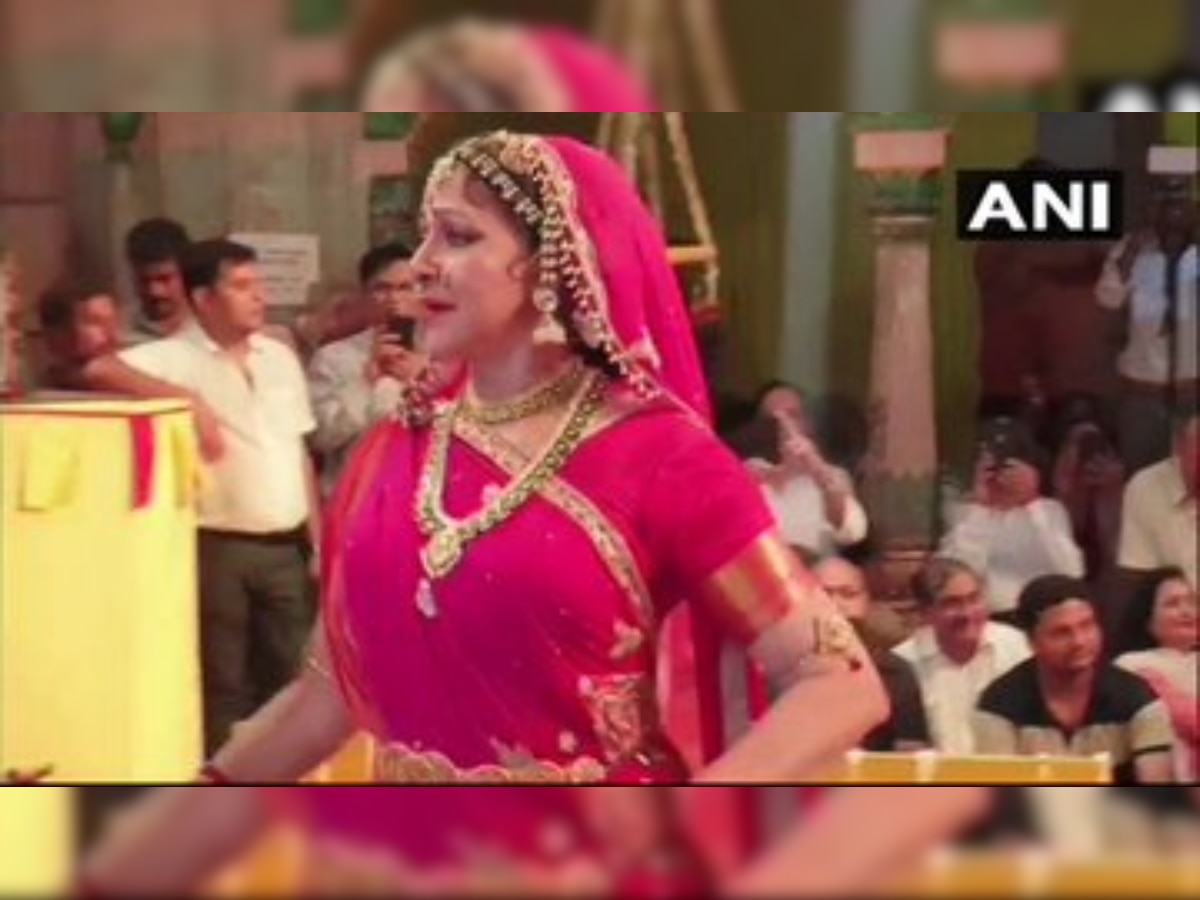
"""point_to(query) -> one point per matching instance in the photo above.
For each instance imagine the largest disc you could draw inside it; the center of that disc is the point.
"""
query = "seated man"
(79, 323)
(906, 729)
(957, 652)
(1159, 519)
(1066, 701)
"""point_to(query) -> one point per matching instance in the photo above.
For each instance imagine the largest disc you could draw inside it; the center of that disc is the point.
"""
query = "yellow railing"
(934, 768)
(1031, 875)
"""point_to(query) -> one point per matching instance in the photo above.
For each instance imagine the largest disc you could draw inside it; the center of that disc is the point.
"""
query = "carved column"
(901, 157)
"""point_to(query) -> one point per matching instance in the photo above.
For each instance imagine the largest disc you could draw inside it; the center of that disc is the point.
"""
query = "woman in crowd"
(1088, 478)
(1162, 644)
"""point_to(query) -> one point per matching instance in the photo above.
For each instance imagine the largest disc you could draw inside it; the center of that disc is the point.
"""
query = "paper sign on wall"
(290, 264)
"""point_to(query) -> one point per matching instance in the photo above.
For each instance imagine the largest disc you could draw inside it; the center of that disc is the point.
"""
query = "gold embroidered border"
(399, 764)
(606, 538)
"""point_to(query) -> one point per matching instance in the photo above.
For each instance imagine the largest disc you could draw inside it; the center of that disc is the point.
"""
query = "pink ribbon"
(144, 460)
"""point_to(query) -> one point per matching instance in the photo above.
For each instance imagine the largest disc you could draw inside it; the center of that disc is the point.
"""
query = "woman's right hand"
(1134, 245)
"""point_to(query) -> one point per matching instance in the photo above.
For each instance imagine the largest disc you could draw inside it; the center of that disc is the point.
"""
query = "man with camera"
(1006, 530)
(357, 381)
(1151, 278)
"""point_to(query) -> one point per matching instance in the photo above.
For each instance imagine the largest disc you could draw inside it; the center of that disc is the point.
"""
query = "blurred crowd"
(1058, 614)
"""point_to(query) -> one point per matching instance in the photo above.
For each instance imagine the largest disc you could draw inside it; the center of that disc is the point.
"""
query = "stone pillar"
(902, 463)
(901, 157)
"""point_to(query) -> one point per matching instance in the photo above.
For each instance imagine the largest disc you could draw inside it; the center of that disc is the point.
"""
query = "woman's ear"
(526, 269)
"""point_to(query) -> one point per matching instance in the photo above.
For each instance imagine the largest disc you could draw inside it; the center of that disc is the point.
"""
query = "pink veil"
(646, 313)
(594, 80)
(640, 299)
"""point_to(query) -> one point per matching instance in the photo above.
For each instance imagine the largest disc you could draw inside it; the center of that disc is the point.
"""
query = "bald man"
(906, 729)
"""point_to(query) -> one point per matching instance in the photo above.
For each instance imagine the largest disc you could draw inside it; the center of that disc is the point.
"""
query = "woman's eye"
(457, 237)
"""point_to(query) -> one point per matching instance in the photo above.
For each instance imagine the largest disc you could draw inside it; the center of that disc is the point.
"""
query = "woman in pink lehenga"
(503, 576)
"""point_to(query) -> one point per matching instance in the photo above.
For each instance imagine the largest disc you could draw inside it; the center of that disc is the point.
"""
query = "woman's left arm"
(830, 694)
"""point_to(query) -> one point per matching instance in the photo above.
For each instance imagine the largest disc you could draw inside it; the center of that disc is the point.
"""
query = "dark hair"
(1073, 410)
(1135, 629)
(59, 304)
(807, 555)
(153, 241)
(774, 384)
(1183, 417)
(204, 262)
(1015, 439)
(1045, 593)
(379, 258)
(929, 582)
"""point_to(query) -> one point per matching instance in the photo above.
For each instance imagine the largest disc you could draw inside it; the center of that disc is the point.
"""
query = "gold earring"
(549, 329)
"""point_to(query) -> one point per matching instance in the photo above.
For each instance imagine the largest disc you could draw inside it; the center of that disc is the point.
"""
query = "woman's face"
(1174, 623)
(475, 273)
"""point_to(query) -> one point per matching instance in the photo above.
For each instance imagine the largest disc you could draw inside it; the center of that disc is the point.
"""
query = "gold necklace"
(544, 397)
(448, 538)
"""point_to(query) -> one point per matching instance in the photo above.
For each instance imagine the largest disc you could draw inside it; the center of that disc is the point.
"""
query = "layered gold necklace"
(448, 537)
(543, 398)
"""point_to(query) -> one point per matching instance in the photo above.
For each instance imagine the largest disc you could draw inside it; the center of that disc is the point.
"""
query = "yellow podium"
(37, 834)
(99, 630)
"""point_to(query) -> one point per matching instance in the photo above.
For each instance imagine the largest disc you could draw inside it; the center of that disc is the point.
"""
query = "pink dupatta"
(639, 295)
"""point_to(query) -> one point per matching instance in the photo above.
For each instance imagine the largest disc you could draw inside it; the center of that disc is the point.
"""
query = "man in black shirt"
(906, 730)
(1066, 701)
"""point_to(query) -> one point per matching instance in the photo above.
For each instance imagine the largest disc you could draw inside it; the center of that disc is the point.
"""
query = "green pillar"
(1004, 73)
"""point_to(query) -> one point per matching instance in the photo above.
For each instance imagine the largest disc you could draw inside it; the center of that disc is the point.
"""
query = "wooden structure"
(670, 46)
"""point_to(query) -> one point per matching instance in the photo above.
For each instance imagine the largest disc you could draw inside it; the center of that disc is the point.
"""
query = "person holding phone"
(1150, 280)
(813, 500)
(1006, 529)
(357, 381)
(1089, 480)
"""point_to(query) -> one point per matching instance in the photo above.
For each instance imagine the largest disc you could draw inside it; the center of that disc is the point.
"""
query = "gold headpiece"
(568, 268)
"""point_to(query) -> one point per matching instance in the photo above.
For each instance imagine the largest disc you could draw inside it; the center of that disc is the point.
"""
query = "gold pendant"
(426, 601)
(443, 552)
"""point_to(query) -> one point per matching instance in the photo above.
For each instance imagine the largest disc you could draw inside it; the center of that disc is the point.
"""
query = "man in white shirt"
(958, 652)
(813, 500)
(357, 381)
(1006, 530)
(259, 519)
(1158, 364)
(1159, 515)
